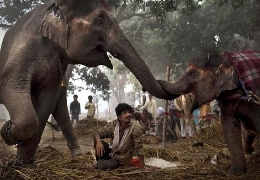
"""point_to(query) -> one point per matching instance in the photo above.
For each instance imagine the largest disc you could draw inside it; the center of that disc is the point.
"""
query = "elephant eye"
(193, 75)
(99, 20)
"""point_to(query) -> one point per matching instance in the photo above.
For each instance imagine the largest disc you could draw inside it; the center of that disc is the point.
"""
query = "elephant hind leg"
(247, 140)
(24, 122)
(61, 115)
(247, 136)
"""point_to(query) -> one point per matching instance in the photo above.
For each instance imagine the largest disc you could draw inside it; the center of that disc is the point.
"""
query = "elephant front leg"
(232, 135)
(22, 127)
(24, 121)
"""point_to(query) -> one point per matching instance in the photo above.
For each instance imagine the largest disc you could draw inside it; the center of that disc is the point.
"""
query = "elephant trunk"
(137, 66)
(120, 47)
(181, 87)
(177, 88)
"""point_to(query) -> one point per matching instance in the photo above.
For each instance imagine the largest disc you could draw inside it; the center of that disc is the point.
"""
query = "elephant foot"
(237, 170)
(76, 152)
(7, 135)
(22, 160)
(22, 164)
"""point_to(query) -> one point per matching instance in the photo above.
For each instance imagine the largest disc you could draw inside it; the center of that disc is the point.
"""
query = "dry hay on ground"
(148, 139)
(195, 163)
(88, 126)
(212, 135)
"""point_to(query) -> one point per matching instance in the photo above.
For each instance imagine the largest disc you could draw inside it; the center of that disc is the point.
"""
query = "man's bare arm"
(99, 145)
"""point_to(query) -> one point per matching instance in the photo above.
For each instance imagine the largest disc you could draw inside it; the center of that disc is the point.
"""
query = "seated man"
(127, 139)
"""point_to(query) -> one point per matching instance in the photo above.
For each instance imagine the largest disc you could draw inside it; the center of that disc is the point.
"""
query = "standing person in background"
(175, 116)
(216, 109)
(169, 134)
(144, 100)
(205, 109)
(90, 106)
(142, 118)
(183, 104)
(151, 107)
(158, 124)
(196, 117)
(75, 110)
(205, 113)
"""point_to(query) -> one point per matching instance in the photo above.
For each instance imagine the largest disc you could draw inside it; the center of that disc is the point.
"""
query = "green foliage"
(235, 3)
(95, 80)
(180, 36)
(12, 10)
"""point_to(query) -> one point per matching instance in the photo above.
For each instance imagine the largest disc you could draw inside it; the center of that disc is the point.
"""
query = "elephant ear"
(226, 79)
(55, 26)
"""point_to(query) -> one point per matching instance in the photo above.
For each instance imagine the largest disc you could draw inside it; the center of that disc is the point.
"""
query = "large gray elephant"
(214, 75)
(34, 57)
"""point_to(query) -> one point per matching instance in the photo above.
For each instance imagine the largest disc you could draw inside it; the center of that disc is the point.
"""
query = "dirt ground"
(49, 138)
(209, 161)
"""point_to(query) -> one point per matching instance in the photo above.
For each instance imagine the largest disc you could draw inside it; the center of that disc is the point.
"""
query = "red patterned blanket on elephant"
(248, 65)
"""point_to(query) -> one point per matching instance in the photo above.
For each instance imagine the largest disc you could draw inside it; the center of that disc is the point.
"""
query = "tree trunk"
(166, 111)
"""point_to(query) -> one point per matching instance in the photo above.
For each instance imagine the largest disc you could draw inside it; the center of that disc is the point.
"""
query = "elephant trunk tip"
(166, 95)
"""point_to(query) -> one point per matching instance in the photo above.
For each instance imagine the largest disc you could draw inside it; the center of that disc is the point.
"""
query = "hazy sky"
(2, 33)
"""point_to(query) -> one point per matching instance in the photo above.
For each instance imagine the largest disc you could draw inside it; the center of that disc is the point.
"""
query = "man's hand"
(99, 149)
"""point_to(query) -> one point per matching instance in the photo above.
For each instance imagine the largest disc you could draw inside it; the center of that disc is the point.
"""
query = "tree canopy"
(11, 10)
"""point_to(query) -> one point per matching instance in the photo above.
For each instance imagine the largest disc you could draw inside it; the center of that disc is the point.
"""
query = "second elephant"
(232, 79)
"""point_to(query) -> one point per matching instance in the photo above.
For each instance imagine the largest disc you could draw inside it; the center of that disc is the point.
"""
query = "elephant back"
(30, 22)
(248, 68)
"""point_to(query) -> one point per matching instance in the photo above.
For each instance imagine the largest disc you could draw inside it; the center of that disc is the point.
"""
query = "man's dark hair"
(122, 107)
(75, 96)
(90, 97)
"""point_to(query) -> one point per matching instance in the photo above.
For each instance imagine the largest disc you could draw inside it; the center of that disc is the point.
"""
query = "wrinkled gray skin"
(213, 77)
(30, 75)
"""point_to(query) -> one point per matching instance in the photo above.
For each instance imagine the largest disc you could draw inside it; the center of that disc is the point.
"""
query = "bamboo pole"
(166, 110)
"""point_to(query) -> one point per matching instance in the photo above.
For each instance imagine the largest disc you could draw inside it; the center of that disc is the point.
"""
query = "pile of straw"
(194, 162)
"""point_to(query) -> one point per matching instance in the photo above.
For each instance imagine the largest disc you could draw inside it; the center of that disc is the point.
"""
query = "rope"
(249, 95)
(63, 81)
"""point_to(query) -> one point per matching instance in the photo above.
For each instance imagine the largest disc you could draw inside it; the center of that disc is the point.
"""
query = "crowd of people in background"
(178, 117)
(146, 118)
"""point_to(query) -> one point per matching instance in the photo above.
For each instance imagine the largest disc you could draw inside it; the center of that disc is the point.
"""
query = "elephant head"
(208, 75)
(86, 30)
